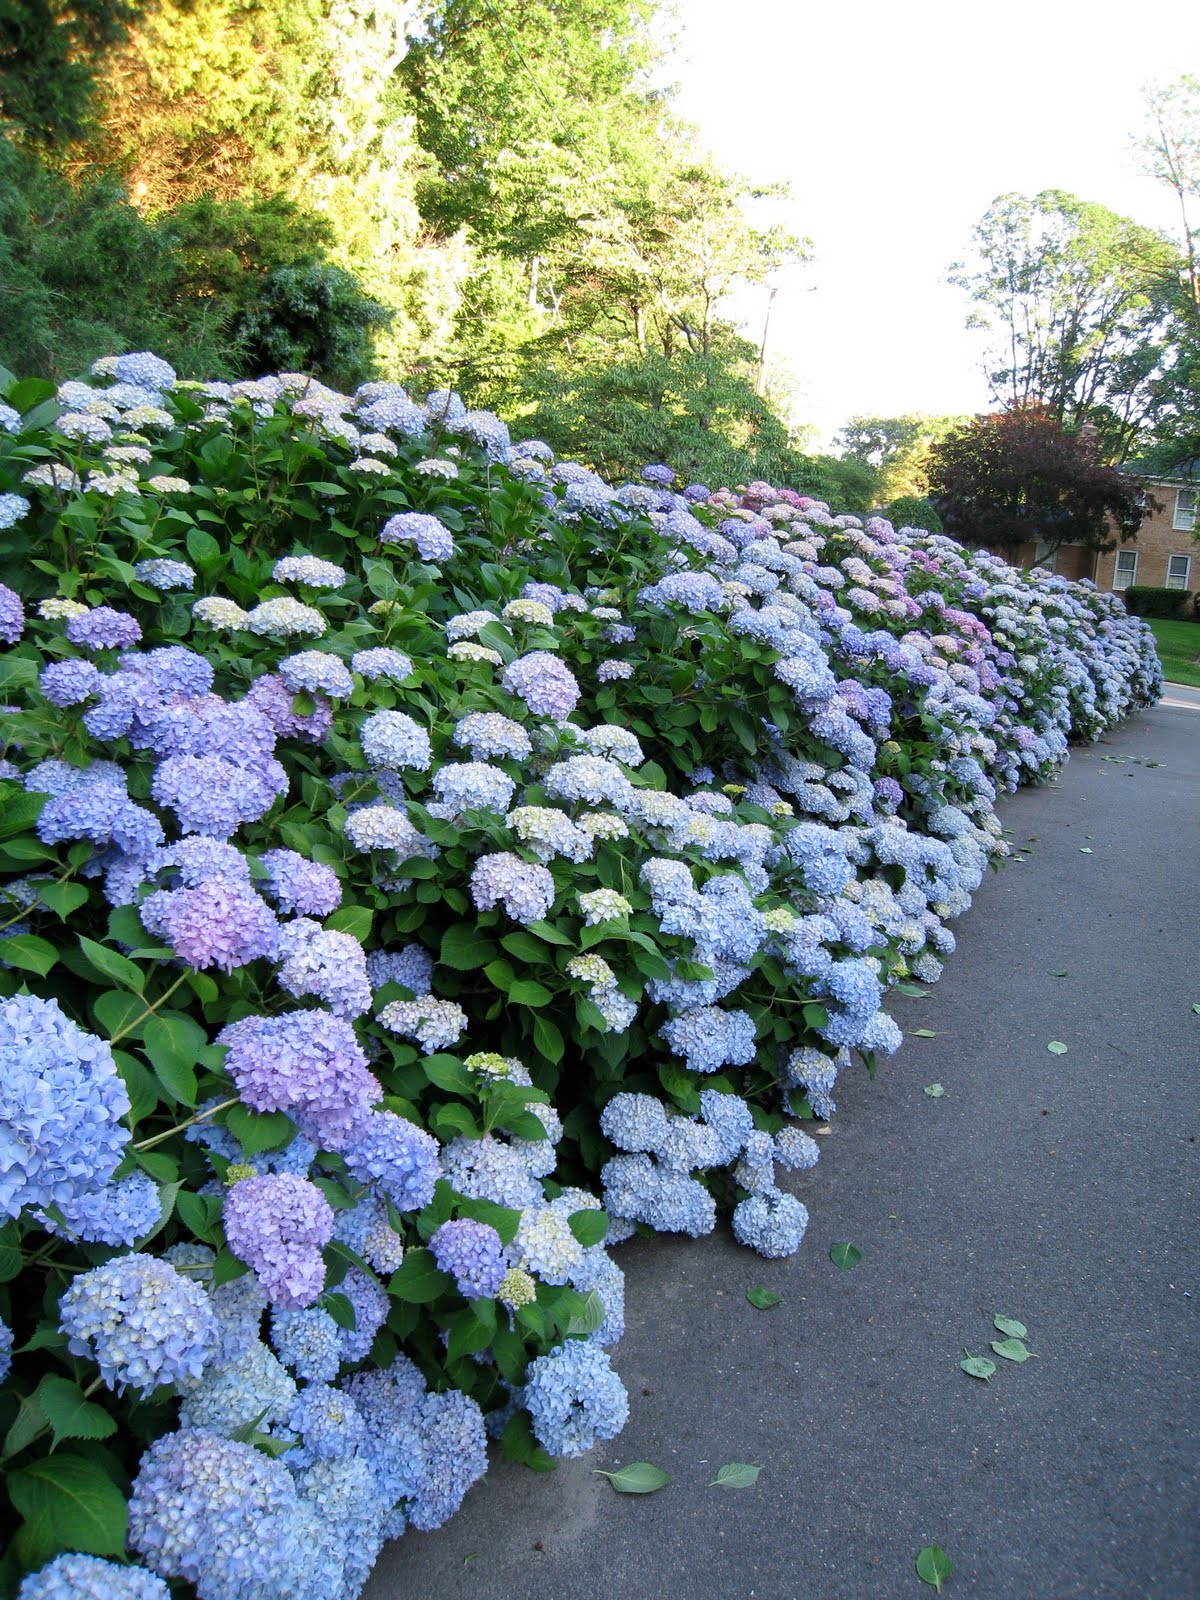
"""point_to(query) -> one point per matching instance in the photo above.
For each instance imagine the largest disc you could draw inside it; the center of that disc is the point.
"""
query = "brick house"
(1165, 554)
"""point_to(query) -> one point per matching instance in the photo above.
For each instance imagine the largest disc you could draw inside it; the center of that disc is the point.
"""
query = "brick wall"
(1145, 562)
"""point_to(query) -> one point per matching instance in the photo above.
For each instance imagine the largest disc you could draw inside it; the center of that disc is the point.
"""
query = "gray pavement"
(1059, 1190)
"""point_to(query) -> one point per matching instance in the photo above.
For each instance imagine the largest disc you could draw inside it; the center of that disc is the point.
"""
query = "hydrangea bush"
(424, 866)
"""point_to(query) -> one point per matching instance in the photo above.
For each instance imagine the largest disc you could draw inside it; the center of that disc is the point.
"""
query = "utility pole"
(760, 376)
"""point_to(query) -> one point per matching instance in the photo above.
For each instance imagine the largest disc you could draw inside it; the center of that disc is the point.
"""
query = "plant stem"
(201, 1116)
(149, 1011)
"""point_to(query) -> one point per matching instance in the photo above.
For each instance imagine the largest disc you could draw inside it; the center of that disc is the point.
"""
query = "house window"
(1126, 569)
(1185, 510)
(1179, 570)
(1045, 555)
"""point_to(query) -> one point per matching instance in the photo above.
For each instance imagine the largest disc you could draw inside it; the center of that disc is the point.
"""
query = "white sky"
(896, 125)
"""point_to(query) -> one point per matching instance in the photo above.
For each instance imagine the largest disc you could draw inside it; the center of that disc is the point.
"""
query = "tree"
(897, 448)
(50, 51)
(1081, 303)
(1019, 476)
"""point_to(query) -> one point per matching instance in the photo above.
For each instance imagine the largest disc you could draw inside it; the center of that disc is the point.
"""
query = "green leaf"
(63, 898)
(763, 1299)
(588, 1318)
(26, 1426)
(73, 1503)
(978, 1367)
(1012, 1350)
(117, 968)
(27, 951)
(256, 1131)
(354, 920)
(340, 1309)
(1196, 1008)
(589, 1226)
(923, 1033)
(913, 989)
(448, 1073)
(1010, 1327)
(524, 946)
(29, 392)
(935, 1091)
(639, 1477)
(463, 949)
(418, 1280)
(1056, 1047)
(1059, 972)
(18, 672)
(170, 1046)
(548, 1040)
(736, 1475)
(505, 1219)
(202, 547)
(1086, 850)
(845, 1256)
(933, 1566)
(528, 992)
(70, 1414)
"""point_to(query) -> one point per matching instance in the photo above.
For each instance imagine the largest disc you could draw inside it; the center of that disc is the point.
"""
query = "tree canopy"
(1020, 476)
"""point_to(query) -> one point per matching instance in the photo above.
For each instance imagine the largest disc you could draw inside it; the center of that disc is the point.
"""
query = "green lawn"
(1178, 649)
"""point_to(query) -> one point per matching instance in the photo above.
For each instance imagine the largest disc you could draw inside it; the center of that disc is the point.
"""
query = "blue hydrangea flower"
(322, 962)
(392, 740)
(770, 1222)
(116, 1215)
(542, 681)
(142, 1323)
(411, 966)
(328, 1422)
(80, 1577)
(253, 1388)
(164, 574)
(397, 1155)
(470, 786)
(102, 628)
(61, 1105)
(489, 736)
(574, 1398)
(312, 572)
(307, 887)
(370, 1305)
(382, 663)
(709, 1038)
(207, 1510)
(431, 537)
(308, 1342)
(317, 672)
(70, 683)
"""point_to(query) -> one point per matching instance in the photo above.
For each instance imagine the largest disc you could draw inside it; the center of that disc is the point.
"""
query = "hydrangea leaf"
(933, 1566)
(73, 1502)
(935, 1091)
(589, 1226)
(736, 1475)
(978, 1367)
(1056, 1047)
(70, 1414)
(639, 1477)
(1012, 1350)
(844, 1256)
(763, 1299)
(30, 953)
(923, 1033)
(1010, 1327)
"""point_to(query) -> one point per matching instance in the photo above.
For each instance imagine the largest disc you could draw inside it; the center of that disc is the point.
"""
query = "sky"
(896, 126)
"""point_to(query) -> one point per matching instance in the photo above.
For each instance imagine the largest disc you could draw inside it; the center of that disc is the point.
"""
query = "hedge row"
(425, 866)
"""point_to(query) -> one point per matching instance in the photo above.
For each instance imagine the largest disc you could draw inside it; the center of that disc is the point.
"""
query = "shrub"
(425, 865)
(914, 511)
(1143, 600)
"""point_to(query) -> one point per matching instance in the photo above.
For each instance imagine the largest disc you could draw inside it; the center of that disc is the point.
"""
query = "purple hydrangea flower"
(214, 925)
(473, 1253)
(370, 1305)
(211, 795)
(70, 683)
(104, 629)
(278, 1224)
(308, 1064)
(547, 687)
(274, 699)
(526, 890)
(12, 615)
(307, 887)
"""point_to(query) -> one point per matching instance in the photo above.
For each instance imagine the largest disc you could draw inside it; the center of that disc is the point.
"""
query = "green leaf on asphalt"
(933, 1566)
(845, 1256)
(1059, 972)
(978, 1367)
(913, 989)
(1196, 1009)
(1056, 1047)
(1010, 1327)
(1086, 850)
(1012, 1350)
(935, 1091)
(639, 1477)
(736, 1475)
(763, 1299)
(924, 1033)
